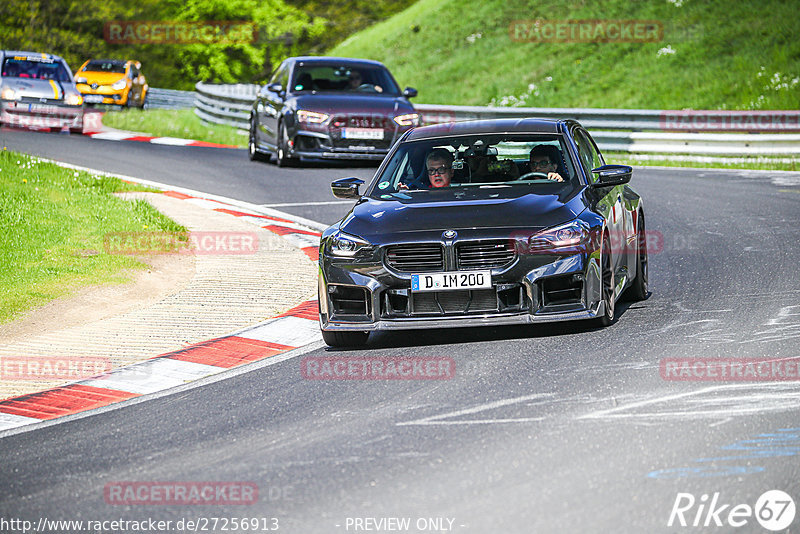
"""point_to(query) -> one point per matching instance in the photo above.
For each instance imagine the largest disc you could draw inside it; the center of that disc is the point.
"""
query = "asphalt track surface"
(555, 428)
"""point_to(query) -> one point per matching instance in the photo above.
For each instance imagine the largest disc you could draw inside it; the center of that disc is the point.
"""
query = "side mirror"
(275, 87)
(346, 187)
(609, 175)
(409, 92)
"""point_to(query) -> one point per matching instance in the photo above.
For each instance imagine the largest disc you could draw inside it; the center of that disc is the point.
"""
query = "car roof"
(28, 53)
(489, 126)
(340, 60)
(115, 61)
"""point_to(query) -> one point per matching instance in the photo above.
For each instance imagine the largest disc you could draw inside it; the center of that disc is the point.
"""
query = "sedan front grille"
(415, 258)
(457, 302)
(485, 254)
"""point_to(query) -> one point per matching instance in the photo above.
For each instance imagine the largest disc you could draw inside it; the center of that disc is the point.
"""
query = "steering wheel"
(537, 175)
(367, 87)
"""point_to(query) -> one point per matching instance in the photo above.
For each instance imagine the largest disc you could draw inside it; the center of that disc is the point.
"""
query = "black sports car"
(483, 223)
(327, 107)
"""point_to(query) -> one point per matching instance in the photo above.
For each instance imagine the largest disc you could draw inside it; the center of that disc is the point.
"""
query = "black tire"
(281, 157)
(252, 148)
(638, 291)
(344, 339)
(607, 282)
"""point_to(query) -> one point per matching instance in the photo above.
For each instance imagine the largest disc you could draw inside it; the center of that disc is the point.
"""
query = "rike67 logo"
(774, 510)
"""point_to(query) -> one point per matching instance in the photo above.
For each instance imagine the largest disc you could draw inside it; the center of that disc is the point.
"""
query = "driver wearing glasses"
(544, 159)
(438, 169)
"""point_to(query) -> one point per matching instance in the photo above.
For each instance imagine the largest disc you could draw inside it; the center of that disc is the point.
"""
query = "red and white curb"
(291, 330)
(93, 127)
(173, 141)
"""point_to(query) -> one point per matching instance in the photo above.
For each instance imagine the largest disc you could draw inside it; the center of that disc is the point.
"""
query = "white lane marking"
(755, 398)
(293, 204)
(175, 141)
(153, 375)
(8, 420)
(291, 331)
(437, 419)
(115, 136)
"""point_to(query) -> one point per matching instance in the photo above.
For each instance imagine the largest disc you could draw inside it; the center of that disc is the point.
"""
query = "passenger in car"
(547, 159)
(438, 171)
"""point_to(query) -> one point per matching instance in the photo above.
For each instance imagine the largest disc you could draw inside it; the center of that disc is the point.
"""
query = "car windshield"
(27, 67)
(477, 166)
(105, 66)
(343, 78)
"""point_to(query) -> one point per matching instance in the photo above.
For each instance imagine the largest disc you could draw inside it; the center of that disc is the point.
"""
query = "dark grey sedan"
(483, 223)
(330, 108)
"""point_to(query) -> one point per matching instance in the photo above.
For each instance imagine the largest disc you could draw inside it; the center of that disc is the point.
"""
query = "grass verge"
(52, 227)
(182, 123)
(703, 162)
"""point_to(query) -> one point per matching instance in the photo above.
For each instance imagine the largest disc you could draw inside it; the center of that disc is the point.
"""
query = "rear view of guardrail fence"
(169, 99)
(623, 130)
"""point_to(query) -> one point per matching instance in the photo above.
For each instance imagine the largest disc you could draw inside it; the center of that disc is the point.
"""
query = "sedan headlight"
(79, 79)
(8, 94)
(74, 100)
(409, 119)
(572, 234)
(311, 117)
(346, 245)
(119, 84)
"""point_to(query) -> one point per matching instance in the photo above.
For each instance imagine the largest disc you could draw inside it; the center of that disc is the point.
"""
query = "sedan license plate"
(362, 133)
(93, 99)
(448, 281)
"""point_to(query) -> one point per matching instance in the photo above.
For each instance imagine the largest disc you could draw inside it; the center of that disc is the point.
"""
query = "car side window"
(587, 152)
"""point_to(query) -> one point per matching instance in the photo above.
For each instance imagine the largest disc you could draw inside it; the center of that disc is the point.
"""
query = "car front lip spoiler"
(372, 156)
(471, 321)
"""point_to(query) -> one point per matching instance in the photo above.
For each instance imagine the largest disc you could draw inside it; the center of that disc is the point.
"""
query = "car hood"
(102, 78)
(36, 88)
(353, 103)
(389, 220)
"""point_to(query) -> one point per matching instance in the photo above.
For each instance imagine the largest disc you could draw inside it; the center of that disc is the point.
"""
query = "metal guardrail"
(169, 99)
(619, 130)
(225, 104)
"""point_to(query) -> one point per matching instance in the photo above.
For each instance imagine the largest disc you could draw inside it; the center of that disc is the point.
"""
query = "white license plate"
(454, 280)
(44, 109)
(362, 133)
(93, 99)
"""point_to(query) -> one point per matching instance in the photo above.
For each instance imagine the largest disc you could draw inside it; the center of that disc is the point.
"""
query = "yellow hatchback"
(112, 81)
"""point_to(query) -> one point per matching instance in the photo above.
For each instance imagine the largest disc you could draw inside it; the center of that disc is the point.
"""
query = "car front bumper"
(32, 115)
(532, 308)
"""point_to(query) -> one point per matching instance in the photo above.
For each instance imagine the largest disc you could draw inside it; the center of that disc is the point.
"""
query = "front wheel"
(608, 288)
(344, 339)
(252, 146)
(638, 291)
(281, 155)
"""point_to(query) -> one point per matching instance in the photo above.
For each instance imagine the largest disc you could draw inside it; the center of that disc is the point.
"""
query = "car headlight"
(79, 79)
(8, 94)
(119, 84)
(409, 119)
(74, 100)
(572, 234)
(346, 245)
(311, 117)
